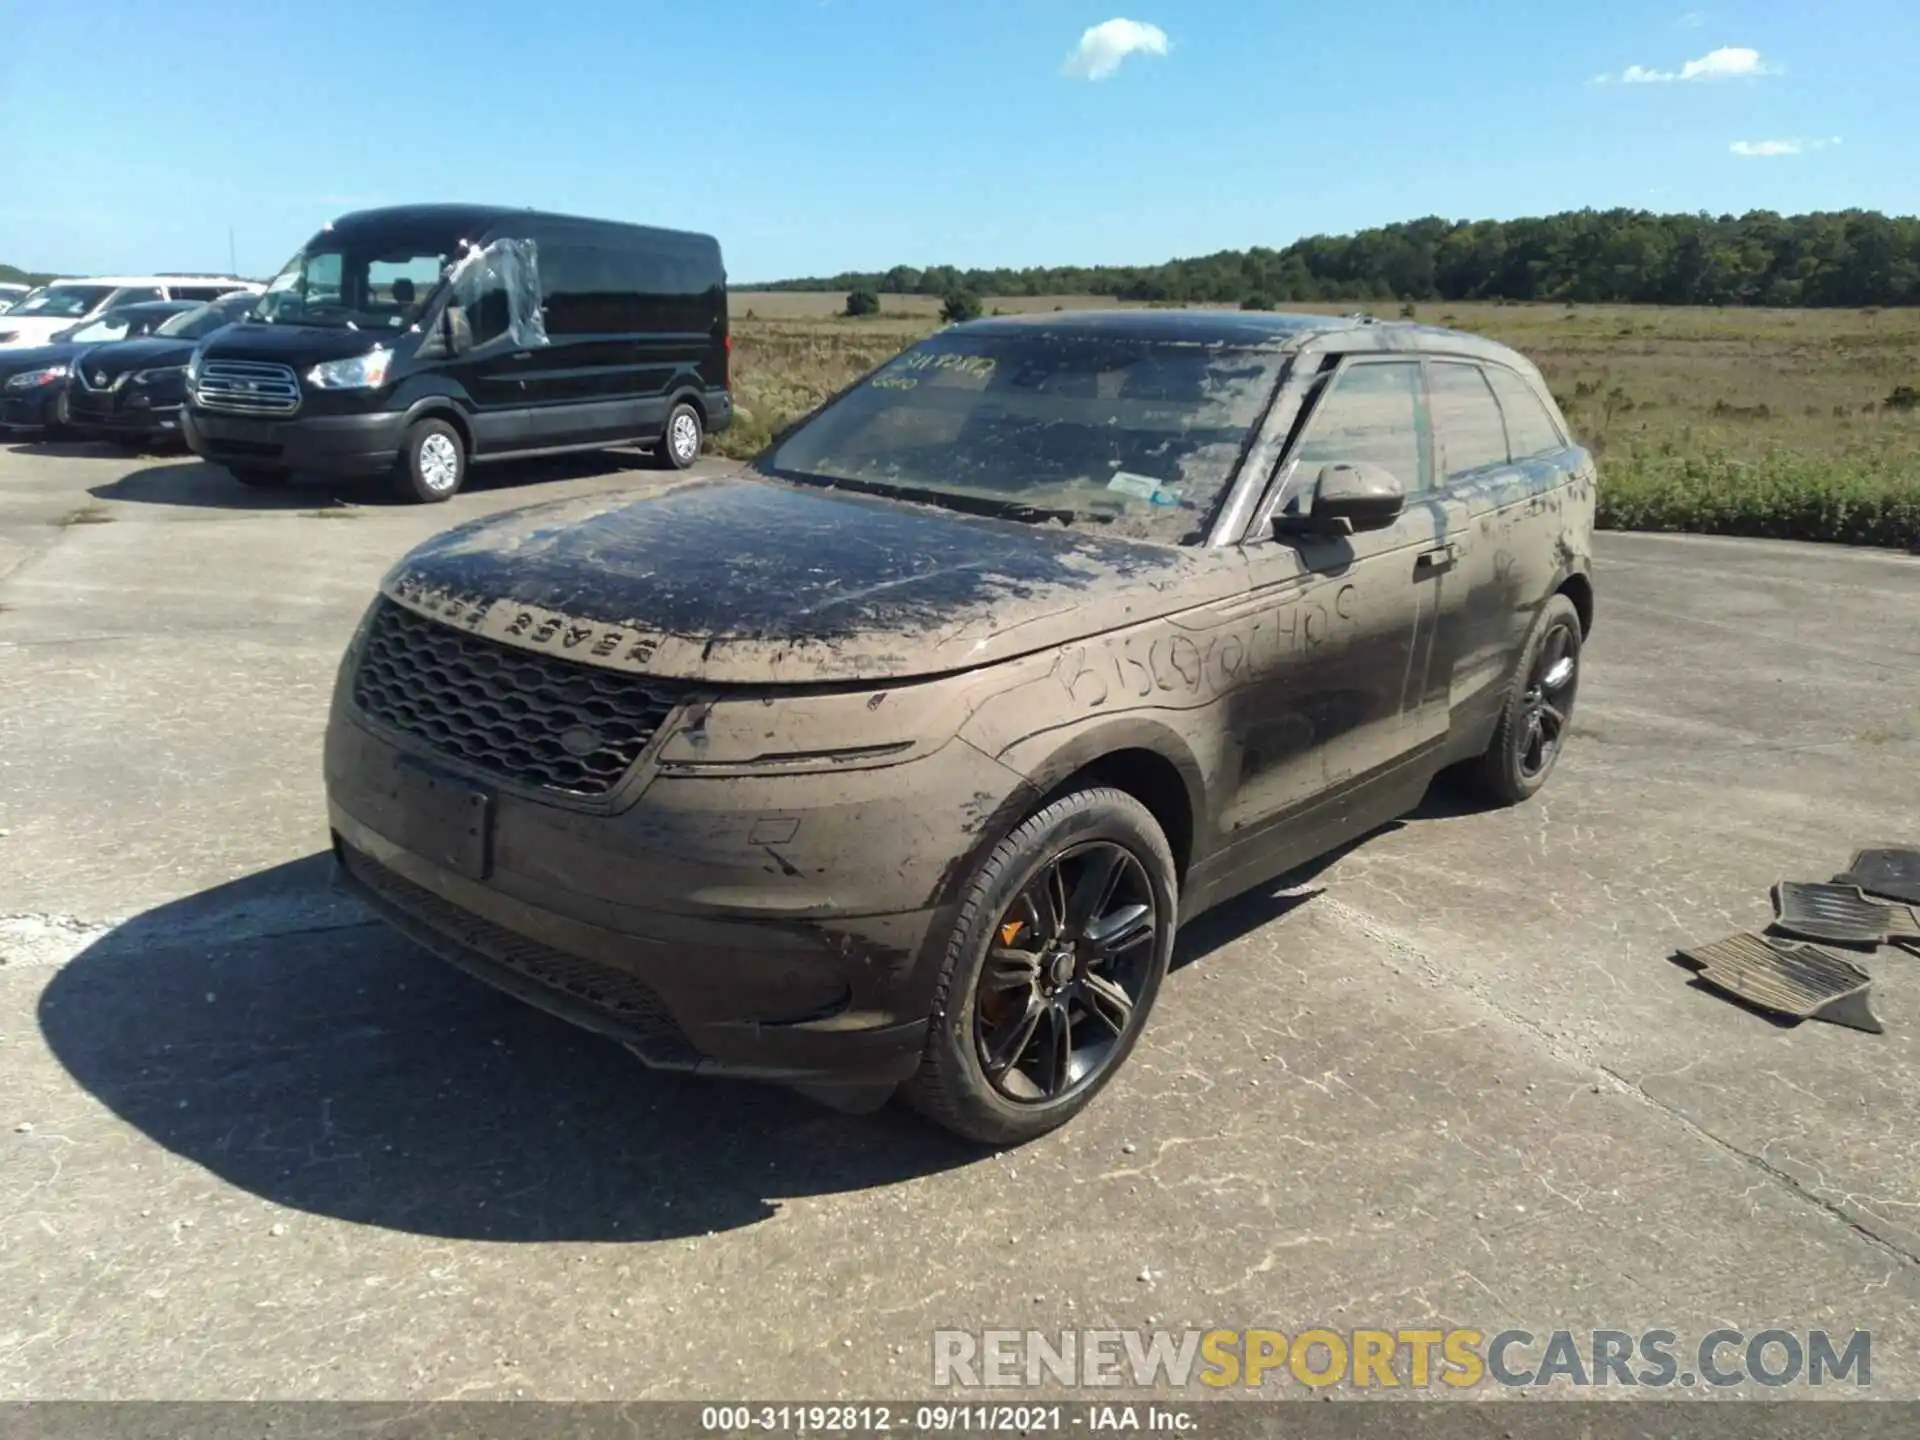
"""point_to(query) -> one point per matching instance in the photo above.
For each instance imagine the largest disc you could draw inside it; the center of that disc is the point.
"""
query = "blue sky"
(819, 135)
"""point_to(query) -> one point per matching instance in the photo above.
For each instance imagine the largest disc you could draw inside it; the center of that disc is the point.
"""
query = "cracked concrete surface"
(252, 1146)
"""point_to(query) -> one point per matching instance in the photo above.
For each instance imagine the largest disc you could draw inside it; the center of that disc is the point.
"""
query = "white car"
(12, 294)
(65, 303)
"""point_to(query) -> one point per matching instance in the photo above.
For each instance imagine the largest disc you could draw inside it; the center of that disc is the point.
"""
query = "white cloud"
(1768, 149)
(1104, 46)
(1692, 20)
(1729, 62)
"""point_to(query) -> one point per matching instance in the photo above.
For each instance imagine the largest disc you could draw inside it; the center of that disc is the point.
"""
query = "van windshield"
(376, 283)
(1131, 436)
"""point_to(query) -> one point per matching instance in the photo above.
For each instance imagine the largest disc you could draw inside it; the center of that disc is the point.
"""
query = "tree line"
(1850, 257)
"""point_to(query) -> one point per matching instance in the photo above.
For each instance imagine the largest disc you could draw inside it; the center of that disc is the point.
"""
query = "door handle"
(1437, 558)
(523, 354)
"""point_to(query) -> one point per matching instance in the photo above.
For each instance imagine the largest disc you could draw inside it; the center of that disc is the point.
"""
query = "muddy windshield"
(377, 283)
(1132, 436)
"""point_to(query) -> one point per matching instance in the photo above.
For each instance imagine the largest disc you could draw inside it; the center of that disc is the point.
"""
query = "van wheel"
(680, 442)
(1062, 940)
(432, 464)
(257, 479)
(1533, 727)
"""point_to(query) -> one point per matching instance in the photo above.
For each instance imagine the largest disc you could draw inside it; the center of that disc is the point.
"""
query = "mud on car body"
(898, 758)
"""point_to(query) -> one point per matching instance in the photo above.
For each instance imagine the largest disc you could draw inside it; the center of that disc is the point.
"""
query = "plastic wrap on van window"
(514, 266)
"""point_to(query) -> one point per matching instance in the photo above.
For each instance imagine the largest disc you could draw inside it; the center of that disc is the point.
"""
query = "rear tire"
(680, 442)
(1007, 1103)
(1533, 726)
(255, 478)
(433, 463)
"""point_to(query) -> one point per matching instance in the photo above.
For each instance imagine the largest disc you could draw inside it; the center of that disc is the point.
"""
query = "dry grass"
(1768, 422)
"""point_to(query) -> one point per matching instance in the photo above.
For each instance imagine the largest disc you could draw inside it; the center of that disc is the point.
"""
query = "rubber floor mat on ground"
(1788, 978)
(1890, 874)
(1841, 914)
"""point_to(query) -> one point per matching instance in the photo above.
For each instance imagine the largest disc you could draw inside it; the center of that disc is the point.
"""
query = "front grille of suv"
(525, 717)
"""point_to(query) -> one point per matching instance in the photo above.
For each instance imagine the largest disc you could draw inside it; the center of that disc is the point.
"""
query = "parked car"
(131, 391)
(64, 303)
(899, 757)
(33, 382)
(11, 294)
(414, 340)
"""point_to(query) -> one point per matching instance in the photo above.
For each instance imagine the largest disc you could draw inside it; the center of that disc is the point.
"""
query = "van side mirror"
(1347, 499)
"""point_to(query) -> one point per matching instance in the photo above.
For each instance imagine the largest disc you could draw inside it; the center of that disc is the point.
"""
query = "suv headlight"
(193, 366)
(356, 372)
(29, 379)
(159, 372)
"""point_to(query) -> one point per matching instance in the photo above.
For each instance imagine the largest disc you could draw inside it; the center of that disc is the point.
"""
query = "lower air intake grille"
(620, 996)
(521, 716)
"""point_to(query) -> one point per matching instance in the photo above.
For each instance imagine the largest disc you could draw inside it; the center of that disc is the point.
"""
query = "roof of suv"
(1261, 329)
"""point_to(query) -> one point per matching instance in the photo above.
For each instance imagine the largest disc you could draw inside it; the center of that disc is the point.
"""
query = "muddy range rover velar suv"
(895, 759)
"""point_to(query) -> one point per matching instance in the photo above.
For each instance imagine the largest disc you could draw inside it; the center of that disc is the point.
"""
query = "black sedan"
(130, 391)
(33, 382)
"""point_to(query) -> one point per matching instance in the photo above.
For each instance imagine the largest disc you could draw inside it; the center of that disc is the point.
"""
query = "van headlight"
(356, 372)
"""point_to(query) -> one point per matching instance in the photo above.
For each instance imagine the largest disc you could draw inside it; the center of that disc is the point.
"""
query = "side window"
(1466, 419)
(581, 287)
(135, 295)
(1370, 417)
(488, 314)
(1530, 430)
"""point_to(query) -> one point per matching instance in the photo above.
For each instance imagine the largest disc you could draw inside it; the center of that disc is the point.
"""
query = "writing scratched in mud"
(1180, 666)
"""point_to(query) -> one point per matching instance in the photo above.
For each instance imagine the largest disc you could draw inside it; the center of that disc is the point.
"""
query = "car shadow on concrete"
(194, 484)
(269, 1032)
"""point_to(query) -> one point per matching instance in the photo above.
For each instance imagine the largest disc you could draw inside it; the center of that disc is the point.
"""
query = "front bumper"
(777, 929)
(367, 444)
(127, 411)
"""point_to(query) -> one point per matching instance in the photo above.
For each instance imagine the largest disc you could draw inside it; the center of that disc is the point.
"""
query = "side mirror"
(1348, 499)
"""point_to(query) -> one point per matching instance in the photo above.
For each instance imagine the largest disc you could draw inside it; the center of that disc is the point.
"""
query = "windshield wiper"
(945, 499)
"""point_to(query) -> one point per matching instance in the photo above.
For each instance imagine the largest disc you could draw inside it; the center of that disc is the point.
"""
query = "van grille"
(524, 717)
(248, 387)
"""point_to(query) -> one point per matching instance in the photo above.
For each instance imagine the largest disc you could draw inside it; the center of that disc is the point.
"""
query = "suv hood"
(295, 345)
(744, 580)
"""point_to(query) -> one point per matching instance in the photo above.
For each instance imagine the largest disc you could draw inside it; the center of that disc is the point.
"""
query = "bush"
(960, 306)
(863, 302)
(1854, 500)
(1257, 301)
(1902, 397)
(1409, 310)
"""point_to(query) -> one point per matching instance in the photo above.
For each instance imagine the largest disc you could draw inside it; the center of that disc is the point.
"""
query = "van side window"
(581, 286)
(137, 294)
(1371, 417)
(1530, 430)
(1466, 419)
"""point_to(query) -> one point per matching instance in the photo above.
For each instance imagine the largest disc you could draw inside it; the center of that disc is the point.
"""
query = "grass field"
(1736, 421)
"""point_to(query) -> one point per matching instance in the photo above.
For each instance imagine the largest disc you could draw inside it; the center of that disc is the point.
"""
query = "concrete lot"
(253, 1146)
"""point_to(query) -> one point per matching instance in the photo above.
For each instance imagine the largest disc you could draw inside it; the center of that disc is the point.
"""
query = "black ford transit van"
(412, 340)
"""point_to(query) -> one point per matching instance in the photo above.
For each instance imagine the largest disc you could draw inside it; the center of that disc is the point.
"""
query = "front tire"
(1533, 727)
(680, 442)
(433, 463)
(1063, 938)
